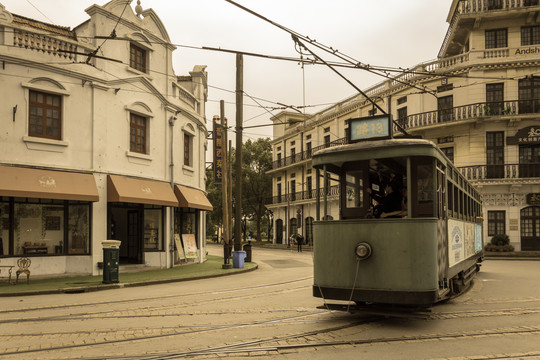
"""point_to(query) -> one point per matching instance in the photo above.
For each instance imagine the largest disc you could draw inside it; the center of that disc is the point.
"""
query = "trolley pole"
(239, 123)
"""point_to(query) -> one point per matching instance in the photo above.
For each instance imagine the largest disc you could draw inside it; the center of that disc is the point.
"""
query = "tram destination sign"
(370, 128)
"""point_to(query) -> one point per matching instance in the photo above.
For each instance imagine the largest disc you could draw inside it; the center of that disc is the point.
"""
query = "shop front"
(137, 216)
(189, 226)
(46, 214)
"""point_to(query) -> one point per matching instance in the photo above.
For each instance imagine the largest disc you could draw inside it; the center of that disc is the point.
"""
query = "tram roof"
(377, 149)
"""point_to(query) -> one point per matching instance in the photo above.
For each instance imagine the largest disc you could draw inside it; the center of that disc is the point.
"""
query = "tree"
(256, 184)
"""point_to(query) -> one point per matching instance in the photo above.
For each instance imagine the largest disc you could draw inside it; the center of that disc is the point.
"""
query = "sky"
(395, 33)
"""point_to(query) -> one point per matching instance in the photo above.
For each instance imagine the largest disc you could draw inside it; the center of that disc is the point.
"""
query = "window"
(293, 190)
(32, 226)
(153, 229)
(188, 149)
(354, 189)
(402, 116)
(494, 99)
(309, 187)
(308, 149)
(327, 140)
(530, 35)
(449, 152)
(45, 116)
(529, 160)
(495, 4)
(496, 222)
(278, 193)
(496, 38)
(529, 95)
(445, 106)
(445, 87)
(402, 100)
(530, 3)
(138, 133)
(495, 154)
(137, 58)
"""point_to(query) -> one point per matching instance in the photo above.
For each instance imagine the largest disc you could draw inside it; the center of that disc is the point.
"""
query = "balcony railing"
(304, 195)
(305, 155)
(45, 44)
(506, 171)
(470, 112)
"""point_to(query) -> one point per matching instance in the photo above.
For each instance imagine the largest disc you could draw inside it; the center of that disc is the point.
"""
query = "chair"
(23, 264)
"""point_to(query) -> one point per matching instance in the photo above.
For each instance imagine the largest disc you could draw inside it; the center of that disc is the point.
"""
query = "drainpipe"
(172, 119)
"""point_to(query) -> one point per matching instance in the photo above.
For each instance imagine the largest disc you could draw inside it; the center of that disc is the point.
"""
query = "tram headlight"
(363, 251)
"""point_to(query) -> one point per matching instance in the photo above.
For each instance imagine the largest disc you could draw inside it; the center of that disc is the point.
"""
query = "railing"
(305, 155)
(304, 195)
(506, 171)
(469, 112)
(45, 44)
(469, 7)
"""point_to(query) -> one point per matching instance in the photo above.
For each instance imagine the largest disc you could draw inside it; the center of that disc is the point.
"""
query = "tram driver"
(391, 205)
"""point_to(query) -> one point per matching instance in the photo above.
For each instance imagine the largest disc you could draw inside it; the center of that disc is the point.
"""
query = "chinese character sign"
(370, 128)
(219, 144)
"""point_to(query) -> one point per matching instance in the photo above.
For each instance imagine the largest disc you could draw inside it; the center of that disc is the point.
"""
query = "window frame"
(530, 35)
(495, 221)
(138, 57)
(43, 117)
(133, 126)
(496, 38)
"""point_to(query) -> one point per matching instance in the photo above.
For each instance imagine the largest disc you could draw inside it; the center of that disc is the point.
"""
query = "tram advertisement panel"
(478, 245)
(456, 241)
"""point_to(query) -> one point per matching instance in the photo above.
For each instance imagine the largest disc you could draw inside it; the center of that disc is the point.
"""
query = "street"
(270, 313)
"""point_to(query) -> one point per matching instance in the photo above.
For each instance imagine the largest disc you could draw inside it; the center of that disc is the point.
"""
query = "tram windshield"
(379, 188)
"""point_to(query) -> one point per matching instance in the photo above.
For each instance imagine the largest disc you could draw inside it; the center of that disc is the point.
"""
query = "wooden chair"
(23, 264)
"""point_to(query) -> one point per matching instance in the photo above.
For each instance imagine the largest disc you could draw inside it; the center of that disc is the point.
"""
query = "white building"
(100, 140)
(479, 101)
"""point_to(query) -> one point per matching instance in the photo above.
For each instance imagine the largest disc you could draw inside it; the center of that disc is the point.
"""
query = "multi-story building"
(100, 140)
(479, 101)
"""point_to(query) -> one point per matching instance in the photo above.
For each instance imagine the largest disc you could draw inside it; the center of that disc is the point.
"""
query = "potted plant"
(499, 242)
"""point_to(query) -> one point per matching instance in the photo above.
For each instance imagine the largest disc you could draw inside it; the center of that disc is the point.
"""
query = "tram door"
(530, 228)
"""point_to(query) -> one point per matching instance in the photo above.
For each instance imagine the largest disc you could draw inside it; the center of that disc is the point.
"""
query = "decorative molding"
(506, 199)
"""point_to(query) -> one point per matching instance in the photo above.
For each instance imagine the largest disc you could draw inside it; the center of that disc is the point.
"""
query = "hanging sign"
(527, 135)
(219, 145)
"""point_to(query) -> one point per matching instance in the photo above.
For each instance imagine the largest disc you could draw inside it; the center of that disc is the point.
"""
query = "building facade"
(479, 102)
(101, 140)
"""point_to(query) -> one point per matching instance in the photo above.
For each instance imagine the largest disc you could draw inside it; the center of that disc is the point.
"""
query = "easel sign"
(190, 246)
(179, 248)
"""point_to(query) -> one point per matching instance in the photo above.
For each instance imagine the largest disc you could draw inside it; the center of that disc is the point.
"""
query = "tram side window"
(423, 190)
(450, 199)
(354, 190)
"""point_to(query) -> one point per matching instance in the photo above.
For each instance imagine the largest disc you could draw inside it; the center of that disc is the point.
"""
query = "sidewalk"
(78, 284)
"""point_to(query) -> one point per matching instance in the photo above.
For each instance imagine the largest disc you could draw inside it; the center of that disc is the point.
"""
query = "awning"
(130, 190)
(47, 184)
(192, 198)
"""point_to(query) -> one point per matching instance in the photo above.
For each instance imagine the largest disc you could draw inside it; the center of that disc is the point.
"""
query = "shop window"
(138, 133)
(44, 227)
(45, 115)
(153, 230)
(138, 58)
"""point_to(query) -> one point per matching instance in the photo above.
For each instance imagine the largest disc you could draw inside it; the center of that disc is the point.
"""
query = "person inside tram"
(391, 205)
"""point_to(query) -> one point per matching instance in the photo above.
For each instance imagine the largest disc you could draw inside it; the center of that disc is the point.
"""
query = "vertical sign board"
(219, 143)
(190, 246)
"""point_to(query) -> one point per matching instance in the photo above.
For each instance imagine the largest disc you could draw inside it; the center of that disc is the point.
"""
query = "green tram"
(425, 251)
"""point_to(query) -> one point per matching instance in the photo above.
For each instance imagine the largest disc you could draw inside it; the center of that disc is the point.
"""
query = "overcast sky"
(396, 33)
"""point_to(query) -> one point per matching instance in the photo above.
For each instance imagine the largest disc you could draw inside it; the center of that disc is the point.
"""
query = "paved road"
(271, 313)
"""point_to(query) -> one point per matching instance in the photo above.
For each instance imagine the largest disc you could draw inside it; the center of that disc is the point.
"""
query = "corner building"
(479, 102)
(101, 140)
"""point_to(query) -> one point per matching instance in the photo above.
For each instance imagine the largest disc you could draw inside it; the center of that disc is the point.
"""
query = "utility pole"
(239, 123)
(224, 191)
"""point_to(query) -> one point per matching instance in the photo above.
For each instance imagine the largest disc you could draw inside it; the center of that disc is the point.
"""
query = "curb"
(85, 289)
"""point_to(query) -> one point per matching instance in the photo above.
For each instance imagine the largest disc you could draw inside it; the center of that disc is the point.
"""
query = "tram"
(424, 248)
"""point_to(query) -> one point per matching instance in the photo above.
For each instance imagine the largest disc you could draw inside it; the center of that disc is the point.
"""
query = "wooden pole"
(224, 190)
(239, 124)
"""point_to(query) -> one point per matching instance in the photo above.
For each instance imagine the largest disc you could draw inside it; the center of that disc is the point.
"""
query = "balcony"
(501, 172)
(436, 117)
(470, 112)
(333, 191)
(45, 44)
(305, 155)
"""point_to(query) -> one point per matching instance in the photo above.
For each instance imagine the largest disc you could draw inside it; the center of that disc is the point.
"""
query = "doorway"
(125, 224)
(530, 228)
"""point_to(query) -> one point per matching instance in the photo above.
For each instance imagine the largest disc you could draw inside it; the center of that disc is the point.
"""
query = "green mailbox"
(111, 259)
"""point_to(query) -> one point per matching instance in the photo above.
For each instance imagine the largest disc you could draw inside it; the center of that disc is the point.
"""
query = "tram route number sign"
(370, 128)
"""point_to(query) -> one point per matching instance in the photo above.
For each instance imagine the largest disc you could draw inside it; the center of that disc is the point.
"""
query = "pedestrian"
(299, 241)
